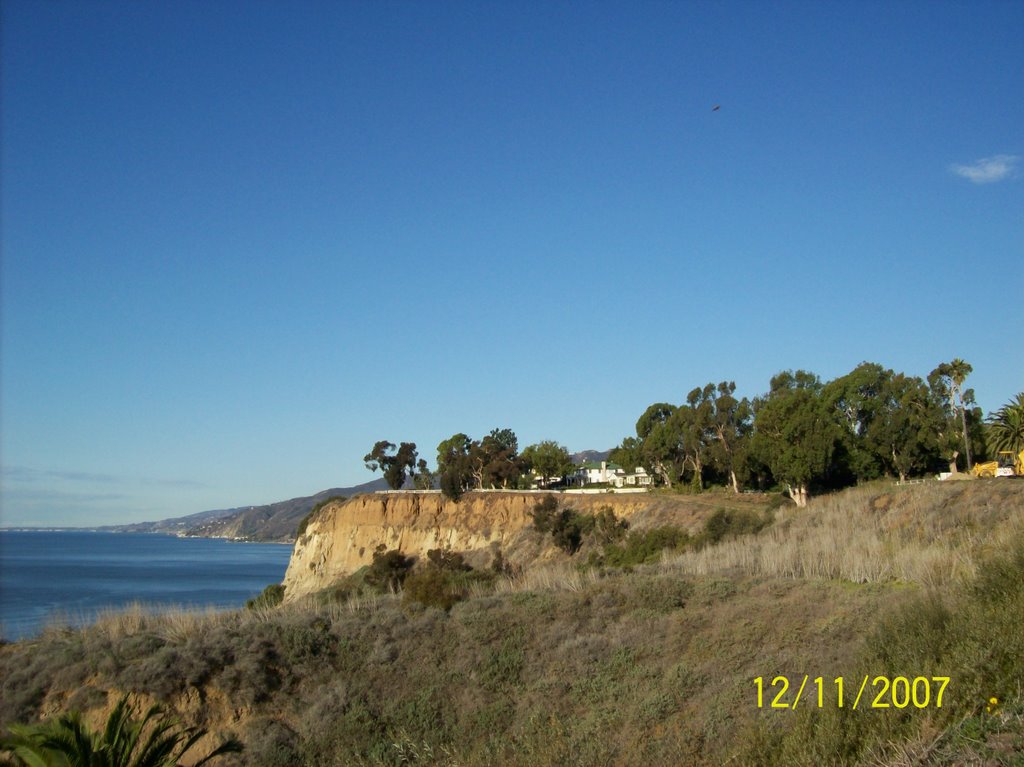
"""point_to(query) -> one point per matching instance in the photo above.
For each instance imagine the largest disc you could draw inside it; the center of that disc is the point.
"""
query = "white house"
(594, 473)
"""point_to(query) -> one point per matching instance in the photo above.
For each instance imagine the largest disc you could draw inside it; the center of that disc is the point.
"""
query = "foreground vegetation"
(639, 646)
(126, 740)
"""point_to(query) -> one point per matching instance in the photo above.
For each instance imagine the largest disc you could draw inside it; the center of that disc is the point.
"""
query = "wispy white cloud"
(36, 496)
(184, 483)
(988, 169)
(32, 474)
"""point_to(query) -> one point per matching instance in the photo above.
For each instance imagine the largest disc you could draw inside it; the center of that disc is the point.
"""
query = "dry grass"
(176, 624)
(356, 602)
(173, 624)
(559, 665)
(930, 534)
(557, 577)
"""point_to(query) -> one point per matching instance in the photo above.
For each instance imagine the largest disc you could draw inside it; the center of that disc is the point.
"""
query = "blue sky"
(242, 241)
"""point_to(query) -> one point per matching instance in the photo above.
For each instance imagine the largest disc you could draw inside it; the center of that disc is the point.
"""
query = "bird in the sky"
(716, 107)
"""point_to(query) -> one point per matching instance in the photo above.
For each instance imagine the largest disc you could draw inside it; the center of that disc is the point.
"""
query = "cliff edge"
(342, 537)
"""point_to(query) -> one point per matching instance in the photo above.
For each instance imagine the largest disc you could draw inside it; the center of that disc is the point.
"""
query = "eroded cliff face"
(343, 536)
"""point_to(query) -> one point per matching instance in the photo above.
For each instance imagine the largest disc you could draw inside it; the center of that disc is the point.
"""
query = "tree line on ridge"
(802, 436)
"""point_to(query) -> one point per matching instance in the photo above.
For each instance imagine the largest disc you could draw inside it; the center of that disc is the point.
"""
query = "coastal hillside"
(604, 654)
(344, 535)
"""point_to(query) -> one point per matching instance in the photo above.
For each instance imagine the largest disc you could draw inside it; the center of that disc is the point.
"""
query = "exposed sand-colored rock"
(343, 536)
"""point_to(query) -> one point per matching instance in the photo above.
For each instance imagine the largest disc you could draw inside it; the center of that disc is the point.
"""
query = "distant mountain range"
(587, 456)
(273, 521)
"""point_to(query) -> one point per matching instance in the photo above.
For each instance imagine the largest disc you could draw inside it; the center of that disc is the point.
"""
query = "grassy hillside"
(602, 665)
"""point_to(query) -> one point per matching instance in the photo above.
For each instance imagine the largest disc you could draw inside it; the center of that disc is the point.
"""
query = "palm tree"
(155, 740)
(1006, 426)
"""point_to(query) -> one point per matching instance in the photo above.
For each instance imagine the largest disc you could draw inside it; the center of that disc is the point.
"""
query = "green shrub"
(272, 743)
(271, 596)
(568, 529)
(544, 514)
(343, 589)
(644, 547)
(446, 559)
(503, 665)
(389, 569)
(433, 587)
(607, 527)
(129, 737)
(731, 523)
(441, 586)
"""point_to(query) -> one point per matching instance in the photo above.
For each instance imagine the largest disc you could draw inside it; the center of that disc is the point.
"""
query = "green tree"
(424, 478)
(404, 465)
(548, 460)
(607, 527)
(155, 740)
(628, 454)
(1006, 426)
(454, 467)
(495, 459)
(856, 400)
(695, 428)
(507, 439)
(903, 432)
(947, 383)
(660, 442)
(731, 425)
(395, 466)
(795, 433)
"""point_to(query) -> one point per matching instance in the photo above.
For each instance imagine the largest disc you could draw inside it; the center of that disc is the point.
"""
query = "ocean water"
(73, 576)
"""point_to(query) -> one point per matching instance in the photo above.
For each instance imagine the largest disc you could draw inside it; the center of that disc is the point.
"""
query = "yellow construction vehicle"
(1014, 462)
(1008, 465)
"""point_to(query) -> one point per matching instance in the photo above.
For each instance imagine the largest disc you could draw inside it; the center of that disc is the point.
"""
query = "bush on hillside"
(569, 527)
(271, 596)
(544, 514)
(434, 587)
(446, 559)
(644, 547)
(130, 737)
(731, 523)
(445, 580)
(389, 569)
(607, 527)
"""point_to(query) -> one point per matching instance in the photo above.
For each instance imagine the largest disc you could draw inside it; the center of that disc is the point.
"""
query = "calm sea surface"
(75, 575)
